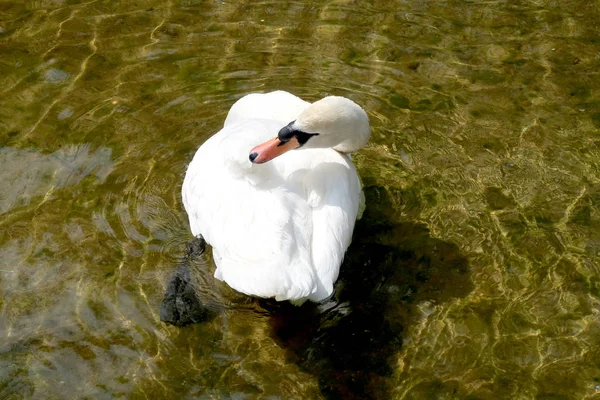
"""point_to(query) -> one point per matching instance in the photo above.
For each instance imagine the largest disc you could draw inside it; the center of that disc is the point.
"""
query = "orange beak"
(271, 149)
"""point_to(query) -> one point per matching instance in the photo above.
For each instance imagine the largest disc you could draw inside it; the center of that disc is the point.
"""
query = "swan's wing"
(271, 258)
(334, 192)
(260, 232)
(278, 106)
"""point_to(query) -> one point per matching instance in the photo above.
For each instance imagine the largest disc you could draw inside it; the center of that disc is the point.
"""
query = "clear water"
(475, 272)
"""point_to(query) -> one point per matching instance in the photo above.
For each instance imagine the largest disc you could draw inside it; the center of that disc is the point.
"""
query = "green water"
(474, 274)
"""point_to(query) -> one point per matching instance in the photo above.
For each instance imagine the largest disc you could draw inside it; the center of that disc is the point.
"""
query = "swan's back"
(275, 106)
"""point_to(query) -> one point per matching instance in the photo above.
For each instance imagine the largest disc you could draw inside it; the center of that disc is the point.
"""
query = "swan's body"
(279, 228)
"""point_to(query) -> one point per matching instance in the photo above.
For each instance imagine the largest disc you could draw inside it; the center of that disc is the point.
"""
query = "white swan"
(279, 227)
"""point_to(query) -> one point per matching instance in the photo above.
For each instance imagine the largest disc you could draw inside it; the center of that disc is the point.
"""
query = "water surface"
(475, 272)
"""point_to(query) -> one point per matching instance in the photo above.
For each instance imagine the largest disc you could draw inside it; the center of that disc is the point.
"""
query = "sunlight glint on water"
(473, 274)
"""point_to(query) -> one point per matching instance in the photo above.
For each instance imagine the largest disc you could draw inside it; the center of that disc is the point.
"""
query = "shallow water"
(475, 272)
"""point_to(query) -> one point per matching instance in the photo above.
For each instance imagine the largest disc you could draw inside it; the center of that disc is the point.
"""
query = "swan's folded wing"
(260, 234)
(262, 245)
(334, 193)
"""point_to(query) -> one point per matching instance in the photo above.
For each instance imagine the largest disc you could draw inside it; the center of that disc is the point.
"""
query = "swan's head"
(333, 122)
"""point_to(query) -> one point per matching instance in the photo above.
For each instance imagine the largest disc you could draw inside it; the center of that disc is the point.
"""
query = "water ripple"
(474, 272)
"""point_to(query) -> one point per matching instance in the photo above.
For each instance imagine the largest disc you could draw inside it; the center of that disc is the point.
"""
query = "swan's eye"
(303, 137)
(288, 132)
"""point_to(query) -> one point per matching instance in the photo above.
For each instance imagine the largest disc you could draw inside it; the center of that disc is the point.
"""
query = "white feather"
(278, 229)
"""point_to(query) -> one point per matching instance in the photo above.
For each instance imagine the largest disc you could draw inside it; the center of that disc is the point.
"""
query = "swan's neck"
(354, 142)
(346, 147)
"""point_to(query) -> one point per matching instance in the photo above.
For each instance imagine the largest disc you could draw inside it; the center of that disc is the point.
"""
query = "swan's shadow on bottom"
(350, 343)
(389, 270)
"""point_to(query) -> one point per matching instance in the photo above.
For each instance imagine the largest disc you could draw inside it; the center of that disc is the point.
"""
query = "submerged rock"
(181, 305)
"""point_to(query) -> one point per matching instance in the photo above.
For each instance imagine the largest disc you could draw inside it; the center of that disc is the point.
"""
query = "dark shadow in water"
(389, 269)
(350, 343)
